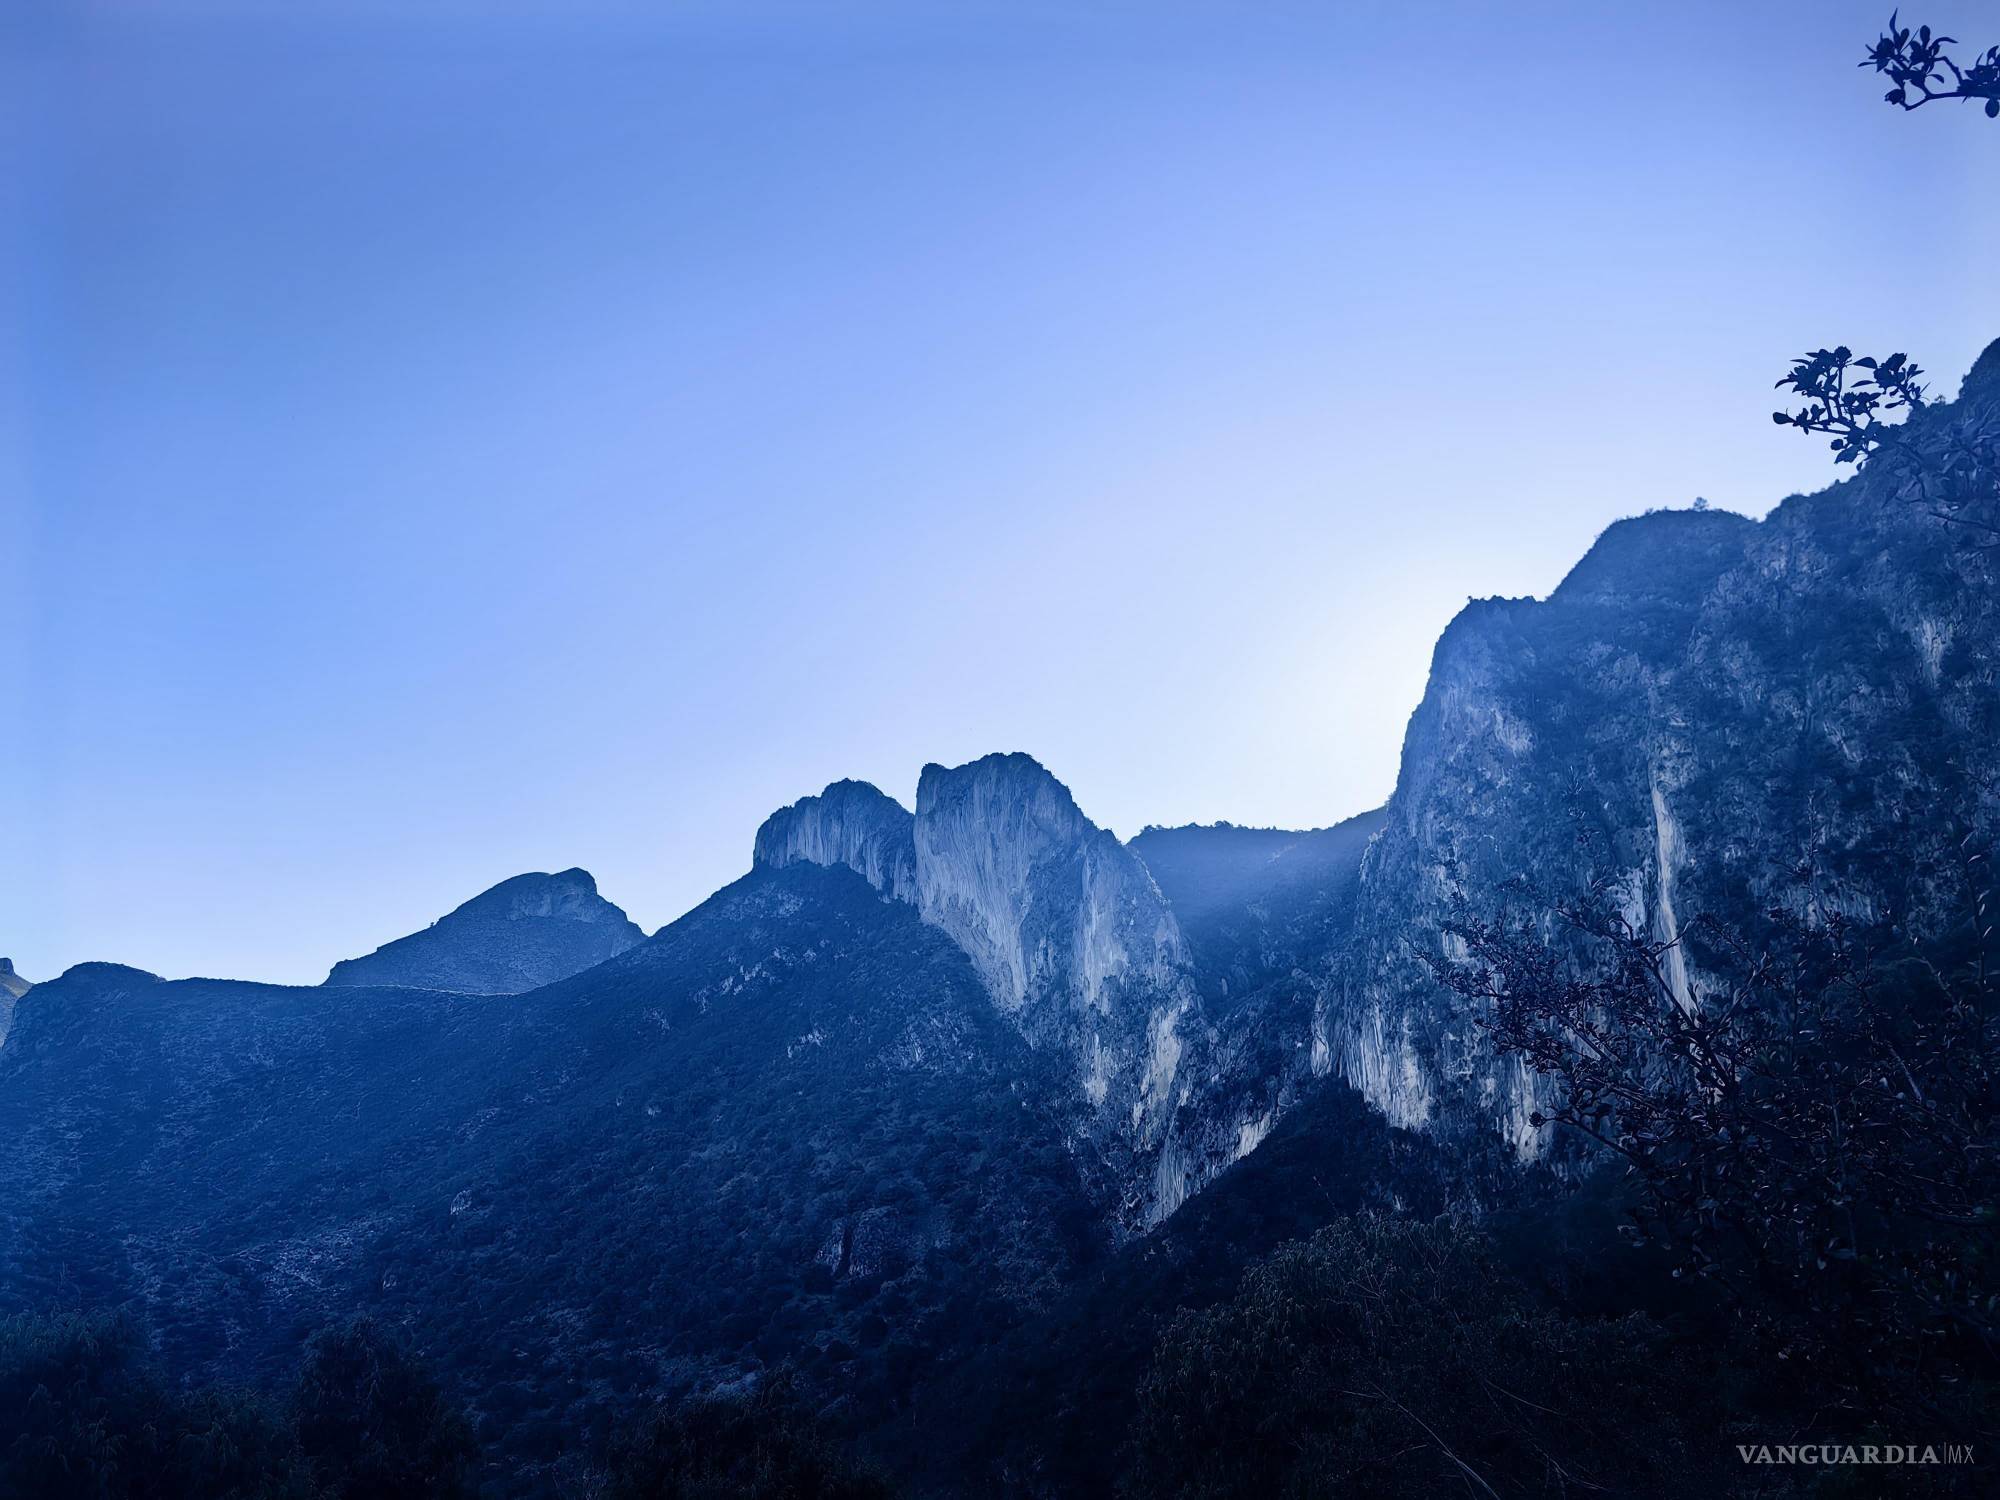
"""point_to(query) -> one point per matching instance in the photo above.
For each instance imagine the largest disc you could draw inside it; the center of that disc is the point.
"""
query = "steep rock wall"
(1716, 715)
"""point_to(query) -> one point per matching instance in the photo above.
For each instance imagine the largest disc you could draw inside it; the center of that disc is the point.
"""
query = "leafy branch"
(1848, 405)
(1921, 71)
(1943, 462)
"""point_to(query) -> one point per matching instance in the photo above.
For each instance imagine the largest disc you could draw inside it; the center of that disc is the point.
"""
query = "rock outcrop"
(1714, 716)
(12, 988)
(1064, 924)
(852, 824)
(520, 935)
(1073, 941)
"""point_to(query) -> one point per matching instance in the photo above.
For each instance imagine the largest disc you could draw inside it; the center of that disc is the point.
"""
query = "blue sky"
(532, 435)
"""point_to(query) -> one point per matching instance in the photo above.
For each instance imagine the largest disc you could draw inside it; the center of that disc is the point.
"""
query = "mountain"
(850, 823)
(12, 988)
(948, 1107)
(790, 1126)
(1713, 715)
(522, 934)
(1074, 944)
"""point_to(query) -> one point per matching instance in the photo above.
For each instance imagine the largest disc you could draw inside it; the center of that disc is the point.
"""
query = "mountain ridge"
(929, 1081)
(528, 931)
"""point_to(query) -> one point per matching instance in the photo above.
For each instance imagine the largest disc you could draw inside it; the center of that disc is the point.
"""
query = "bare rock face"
(12, 988)
(1716, 716)
(851, 824)
(520, 935)
(1065, 926)
(1074, 944)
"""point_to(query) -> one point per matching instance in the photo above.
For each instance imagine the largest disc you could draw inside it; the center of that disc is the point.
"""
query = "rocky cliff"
(523, 933)
(1064, 924)
(12, 988)
(1256, 904)
(852, 824)
(1713, 714)
(1074, 943)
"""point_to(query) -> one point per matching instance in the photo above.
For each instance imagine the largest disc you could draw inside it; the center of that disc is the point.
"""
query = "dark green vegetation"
(760, 1445)
(1398, 1357)
(790, 1128)
(88, 1414)
(1355, 1362)
(371, 1420)
(1811, 1131)
(1368, 1353)
(1046, 1410)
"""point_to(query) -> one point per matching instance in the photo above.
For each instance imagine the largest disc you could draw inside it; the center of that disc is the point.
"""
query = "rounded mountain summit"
(520, 935)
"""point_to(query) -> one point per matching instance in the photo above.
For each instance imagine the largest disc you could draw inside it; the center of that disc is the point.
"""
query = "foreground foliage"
(758, 1445)
(1387, 1357)
(86, 1416)
(86, 1413)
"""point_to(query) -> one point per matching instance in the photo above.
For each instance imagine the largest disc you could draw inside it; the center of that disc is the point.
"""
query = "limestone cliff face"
(520, 935)
(12, 988)
(1073, 942)
(1736, 717)
(851, 824)
(1064, 924)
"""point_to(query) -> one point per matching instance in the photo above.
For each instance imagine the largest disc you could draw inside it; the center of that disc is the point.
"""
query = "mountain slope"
(790, 1126)
(522, 934)
(1256, 903)
(1043, 1412)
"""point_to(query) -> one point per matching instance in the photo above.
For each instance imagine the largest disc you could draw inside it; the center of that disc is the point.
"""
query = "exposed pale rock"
(851, 824)
(12, 988)
(1797, 714)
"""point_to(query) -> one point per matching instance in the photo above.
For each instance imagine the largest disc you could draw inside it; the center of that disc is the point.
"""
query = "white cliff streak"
(1666, 926)
(851, 824)
(1064, 926)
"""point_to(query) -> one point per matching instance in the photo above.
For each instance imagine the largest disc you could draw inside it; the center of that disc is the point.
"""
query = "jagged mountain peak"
(1073, 939)
(1005, 855)
(1065, 927)
(519, 935)
(851, 823)
(1009, 782)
